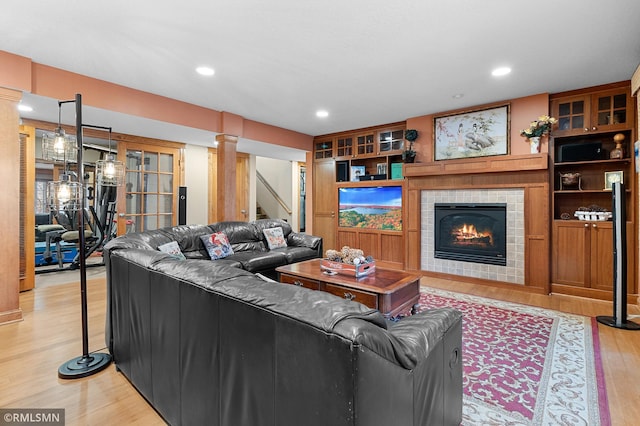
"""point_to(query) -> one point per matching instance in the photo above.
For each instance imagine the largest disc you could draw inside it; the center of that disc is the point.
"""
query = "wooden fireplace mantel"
(529, 172)
(513, 163)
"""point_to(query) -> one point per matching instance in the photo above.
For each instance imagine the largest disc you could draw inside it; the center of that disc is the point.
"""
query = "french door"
(149, 198)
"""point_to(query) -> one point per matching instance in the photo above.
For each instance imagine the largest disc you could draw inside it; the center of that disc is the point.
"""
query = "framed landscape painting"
(479, 133)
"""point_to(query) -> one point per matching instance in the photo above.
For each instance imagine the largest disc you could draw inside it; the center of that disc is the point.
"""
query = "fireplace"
(471, 232)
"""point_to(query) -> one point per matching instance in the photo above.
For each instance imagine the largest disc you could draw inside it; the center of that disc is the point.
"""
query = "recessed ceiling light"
(322, 113)
(205, 71)
(498, 72)
(457, 96)
(24, 108)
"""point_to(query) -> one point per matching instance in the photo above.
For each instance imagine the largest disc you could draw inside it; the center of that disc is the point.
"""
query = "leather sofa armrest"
(416, 335)
(296, 239)
(407, 342)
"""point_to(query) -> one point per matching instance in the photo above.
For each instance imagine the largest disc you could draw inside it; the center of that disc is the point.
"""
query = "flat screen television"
(370, 207)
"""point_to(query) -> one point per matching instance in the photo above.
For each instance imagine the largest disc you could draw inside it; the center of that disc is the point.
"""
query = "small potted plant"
(536, 130)
(409, 155)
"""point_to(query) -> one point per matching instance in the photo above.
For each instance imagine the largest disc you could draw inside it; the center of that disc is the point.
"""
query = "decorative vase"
(617, 152)
(534, 143)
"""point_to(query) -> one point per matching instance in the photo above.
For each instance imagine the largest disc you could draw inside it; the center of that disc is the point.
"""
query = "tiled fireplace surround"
(520, 181)
(514, 271)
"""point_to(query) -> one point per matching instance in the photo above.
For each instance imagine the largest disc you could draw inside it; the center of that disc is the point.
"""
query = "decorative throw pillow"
(275, 238)
(217, 245)
(172, 249)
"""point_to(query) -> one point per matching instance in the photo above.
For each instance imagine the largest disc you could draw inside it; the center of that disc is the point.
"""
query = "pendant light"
(109, 171)
(59, 146)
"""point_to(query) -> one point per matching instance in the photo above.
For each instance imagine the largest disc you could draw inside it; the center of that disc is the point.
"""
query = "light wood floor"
(50, 334)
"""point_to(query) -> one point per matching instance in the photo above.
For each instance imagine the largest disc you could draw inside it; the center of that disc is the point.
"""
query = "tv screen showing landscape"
(370, 207)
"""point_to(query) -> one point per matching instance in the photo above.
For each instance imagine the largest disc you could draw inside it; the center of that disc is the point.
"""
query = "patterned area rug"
(525, 365)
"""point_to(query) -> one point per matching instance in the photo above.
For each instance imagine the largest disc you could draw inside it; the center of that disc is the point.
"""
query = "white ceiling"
(367, 62)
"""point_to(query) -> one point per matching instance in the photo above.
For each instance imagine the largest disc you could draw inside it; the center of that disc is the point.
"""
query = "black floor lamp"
(88, 363)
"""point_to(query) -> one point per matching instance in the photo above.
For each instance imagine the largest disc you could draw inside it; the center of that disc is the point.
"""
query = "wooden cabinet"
(366, 145)
(583, 255)
(344, 147)
(582, 259)
(323, 149)
(391, 141)
(373, 152)
(325, 202)
(602, 111)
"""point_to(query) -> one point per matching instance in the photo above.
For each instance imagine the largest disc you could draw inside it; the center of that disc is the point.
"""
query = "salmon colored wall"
(21, 73)
(60, 84)
(523, 111)
(15, 72)
(277, 135)
(231, 124)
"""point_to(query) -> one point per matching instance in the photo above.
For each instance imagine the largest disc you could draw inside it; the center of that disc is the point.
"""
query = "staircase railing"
(273, 193)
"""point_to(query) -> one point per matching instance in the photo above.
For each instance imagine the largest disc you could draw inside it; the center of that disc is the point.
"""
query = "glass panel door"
(151, 188)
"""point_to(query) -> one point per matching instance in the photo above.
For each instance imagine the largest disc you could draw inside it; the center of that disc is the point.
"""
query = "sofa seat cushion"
(297, 254)
(256, 261)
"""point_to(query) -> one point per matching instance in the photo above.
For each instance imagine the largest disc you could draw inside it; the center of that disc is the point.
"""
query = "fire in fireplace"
(471, 232)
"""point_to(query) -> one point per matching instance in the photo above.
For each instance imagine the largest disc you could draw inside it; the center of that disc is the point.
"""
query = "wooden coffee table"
(387, 290)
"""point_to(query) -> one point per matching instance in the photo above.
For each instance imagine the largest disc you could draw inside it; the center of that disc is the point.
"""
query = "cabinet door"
(611, 110)
(323, 149)
(344, 147)
(391, 141)
(570, 251)
(365, 145)
(573, 115)
(601, 235)
(324, 202)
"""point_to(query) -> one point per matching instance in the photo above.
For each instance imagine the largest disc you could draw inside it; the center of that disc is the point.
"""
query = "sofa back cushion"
(243, 236)
(262, 224)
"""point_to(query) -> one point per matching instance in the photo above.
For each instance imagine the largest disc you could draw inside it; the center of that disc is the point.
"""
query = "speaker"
(342, 171)
(619, 318)
(182, 205)
(583, 151)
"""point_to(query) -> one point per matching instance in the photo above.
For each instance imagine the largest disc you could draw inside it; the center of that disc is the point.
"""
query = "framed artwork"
(356, 172)
(610, 178)
(479, 133)
(381, 168)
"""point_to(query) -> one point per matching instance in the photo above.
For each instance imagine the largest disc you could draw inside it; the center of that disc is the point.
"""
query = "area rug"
(526, 365)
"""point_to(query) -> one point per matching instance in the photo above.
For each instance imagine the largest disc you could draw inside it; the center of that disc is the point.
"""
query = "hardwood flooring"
(50, 334)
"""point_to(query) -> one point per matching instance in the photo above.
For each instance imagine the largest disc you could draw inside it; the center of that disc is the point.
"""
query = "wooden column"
(226, 175)
(10, 201)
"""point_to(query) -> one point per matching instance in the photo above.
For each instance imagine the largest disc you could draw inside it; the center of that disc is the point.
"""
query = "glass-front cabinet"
(391, 141)
(366, 145)
(323, 149)
(344, 147)
(597, 112)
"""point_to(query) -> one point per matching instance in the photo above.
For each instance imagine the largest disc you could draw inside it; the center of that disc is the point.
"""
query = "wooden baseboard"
(8, 317)
(591, 293)
(480, 281)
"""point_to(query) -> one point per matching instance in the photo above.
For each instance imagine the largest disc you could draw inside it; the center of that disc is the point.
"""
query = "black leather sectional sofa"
(208, 342)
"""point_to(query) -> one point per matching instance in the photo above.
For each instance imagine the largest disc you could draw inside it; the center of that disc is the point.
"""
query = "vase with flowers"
(536, 130)
(409, 155)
